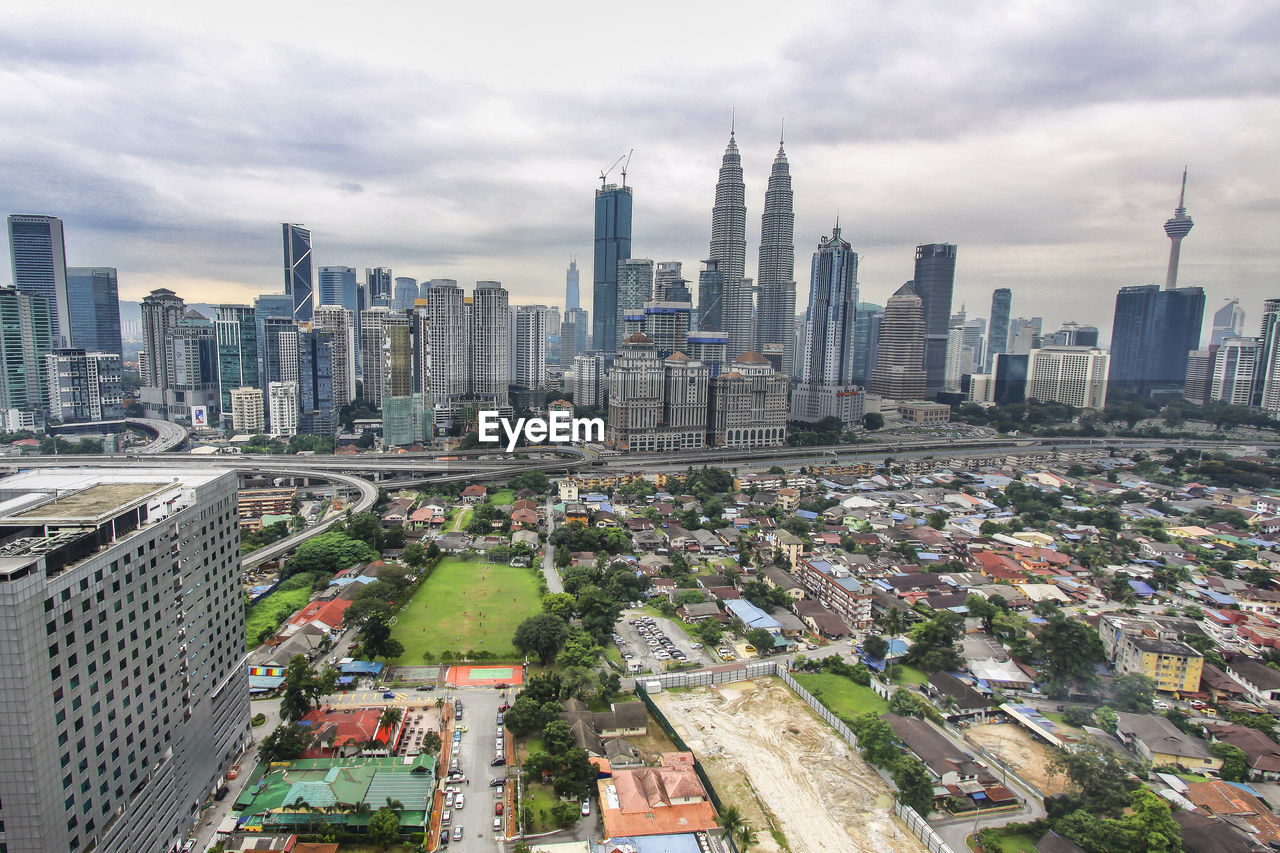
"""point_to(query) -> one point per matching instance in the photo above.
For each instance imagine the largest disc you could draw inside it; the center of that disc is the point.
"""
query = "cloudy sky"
(465, 141)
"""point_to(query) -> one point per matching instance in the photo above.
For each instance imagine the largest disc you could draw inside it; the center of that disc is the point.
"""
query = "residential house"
(1161, 742)
(656, 800)
(1261, 681)
(1230, 802)
(958, 700)
(472, 495)
(821, 621)
(779, 579)
(1261, 752)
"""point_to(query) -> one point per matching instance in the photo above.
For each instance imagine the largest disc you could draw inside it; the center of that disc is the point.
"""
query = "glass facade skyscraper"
(998, 334)
(298, 280)
(236, 330)
(866, 341)
(934, 281)
(338, 287)
(94, 308)
(1151, 336)
(613, 244)
(40, 266)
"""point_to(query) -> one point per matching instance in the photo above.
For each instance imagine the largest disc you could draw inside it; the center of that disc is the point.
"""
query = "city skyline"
(1057, 188)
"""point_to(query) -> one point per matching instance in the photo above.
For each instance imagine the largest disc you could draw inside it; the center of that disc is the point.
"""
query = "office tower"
(981, 388)
(1175, 228)
(378, 284)
(998, 336)
(191, 350)
(162, 311)
(298, 280)
(959, 361)
(279, 345)
(282, 407)
(1228, 322)
(975, 332)
(1072, 335)
(1266, 385)
(635, 395)
(1076, 376)
(1235, 365)
(711, 297)
(267, 306)
(590, 379)
(342, 323)
(1152, 334)
(490, 360)
(235, 328)
(573, 335)
(686, 387)
(665, 276)
(551, 320)
(899, 372)
(775, 272)
(613, 245)
(729, 249)
(826, 365)
(933, 283)
(529, 347)
(1010, 378)
(26, 337)
(709, 348)
(83, 386)
(1199, 375)
(94, 309)
(317, 406)
(105, 570)
(372, 323)
(448, 335)
(39, 256)
(678, 291)
(248, 414)
(866, 340)
(406, 293)
(635, 287)
(748, 405)
(571, 286)
(664, 323)
(338, 287)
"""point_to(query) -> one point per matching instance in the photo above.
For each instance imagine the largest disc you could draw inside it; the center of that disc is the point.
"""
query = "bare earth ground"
(822, 795)
(1027, 756)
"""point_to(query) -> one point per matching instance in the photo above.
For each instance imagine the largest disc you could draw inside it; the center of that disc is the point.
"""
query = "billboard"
(199, 417)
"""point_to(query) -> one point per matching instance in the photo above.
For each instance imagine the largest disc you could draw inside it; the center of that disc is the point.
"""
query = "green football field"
(467, 604)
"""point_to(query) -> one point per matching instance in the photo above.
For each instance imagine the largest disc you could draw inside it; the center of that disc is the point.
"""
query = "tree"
(578, 682)
(565, 813)
(876, 739)
(580, 650)
(598, 613)
(524, 716)
(1099, 776)
(746, 837)
(873, 421)
(541, 635)
(1068, 650)
(710, 632)
(914, 784)
(1078, 715)
(1134, 691)
(384, 827)
(431, 743)
(1235, 764)
(762, 640)
(1107, 719)
(893, 622)
(414, 554)
(377, 642)
(303, 687)
(731, 819)
(934, 646)
(559, 604)
(285, 743)
(391, 716)
(330, 552)
(1148, 828)
(876, 646)
(575, 774)
(557, 737)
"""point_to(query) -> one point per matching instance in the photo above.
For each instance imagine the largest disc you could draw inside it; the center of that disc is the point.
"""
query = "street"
(206, 830)
(549, 570)
(476, 752)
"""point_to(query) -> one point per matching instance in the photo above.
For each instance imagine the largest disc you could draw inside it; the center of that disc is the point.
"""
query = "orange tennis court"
(485, 676)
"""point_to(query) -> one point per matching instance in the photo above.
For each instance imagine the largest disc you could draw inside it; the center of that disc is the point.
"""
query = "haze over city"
(1047, 142)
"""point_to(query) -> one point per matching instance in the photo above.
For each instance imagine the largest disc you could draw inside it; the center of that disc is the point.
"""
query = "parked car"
(457, 833)
(497, 808)
(457, 802)
(425, 688)
(388, 695)
(497, 824)
(586, 806)
(447, 816)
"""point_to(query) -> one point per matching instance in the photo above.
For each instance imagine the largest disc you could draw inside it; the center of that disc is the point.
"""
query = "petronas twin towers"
(771, 327)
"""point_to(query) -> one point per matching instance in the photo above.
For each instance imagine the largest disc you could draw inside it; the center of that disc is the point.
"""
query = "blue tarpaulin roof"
(1141, 588)
(361, 667)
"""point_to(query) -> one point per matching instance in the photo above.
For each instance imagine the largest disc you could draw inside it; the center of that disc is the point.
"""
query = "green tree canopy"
(303, 688)
(384, 827)
(330, 552)
(541, 635)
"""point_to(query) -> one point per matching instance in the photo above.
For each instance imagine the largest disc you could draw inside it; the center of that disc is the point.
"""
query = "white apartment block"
(1076, 376)
(283, 406)
(247, 412)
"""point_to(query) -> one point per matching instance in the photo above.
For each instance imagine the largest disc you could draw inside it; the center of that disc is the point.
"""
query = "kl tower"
(1177, 228)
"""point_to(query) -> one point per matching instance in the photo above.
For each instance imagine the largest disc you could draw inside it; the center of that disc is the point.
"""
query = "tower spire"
(733, 121)
(1175, 228)
(782, 134)
(1182, 196)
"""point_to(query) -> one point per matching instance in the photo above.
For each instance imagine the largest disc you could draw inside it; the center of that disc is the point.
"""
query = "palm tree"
(395, 805)
(391, 716)
(360, 809)
(440, 708)
(731, 819)
(746, 837)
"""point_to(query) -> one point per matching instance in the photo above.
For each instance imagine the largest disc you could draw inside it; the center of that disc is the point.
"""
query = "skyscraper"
(635, 396)
(298, 280)
(162, 311)
(406, 293)
(866, 340)
(342, 322)
(729, 249)
(1234, 368)
(711, 297)
(1152, 333)
(371, 325)
(269, 306)
(826, 372)
(1177, 227)
(571, 286)
(94, 307)
(899, 372)
(103, 751)
(40, 267)
(529, 347)
(83, 386)
(573, 335)
(775, 272)
(490, 340)
(1266, 386)
(635, 288)
(235, 327)
(667, 275)
(377, 282)
(1228, 322)
(338, 287)
(613, 244)
(998, 334)
(25, 339)
(934, 281)
(317, 407)
(448, 339)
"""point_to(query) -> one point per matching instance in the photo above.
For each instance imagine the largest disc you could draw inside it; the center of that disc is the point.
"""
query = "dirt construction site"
(1028, 757)
(769, 755)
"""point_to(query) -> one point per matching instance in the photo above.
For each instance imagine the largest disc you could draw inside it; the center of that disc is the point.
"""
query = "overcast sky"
(1046, 139)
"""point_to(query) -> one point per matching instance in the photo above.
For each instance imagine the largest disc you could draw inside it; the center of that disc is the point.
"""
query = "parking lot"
(647, 647)
(474, 738)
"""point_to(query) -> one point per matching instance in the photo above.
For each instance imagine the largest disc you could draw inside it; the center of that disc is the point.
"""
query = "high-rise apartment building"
(317, 362)
(490, 342)
(124, 680)
(826, 366)
(934, 282)
(378, 284)
(866, 340)
(573, 335)
(729, 250)
(342, 323)
(590, 379)
(1266, 385)
(449, 341)
(235, 327)
(396, 356)
(1152, 334)
(711, 297)
(1199, 375)
(1076, 376)
(775, 271)
(83, 386)
(94, 308)
(747, 407)
(338, 287)
(528, 346)
(282, 407)
(162, 311)
(998, 334)
(26, 337)
(1228, 322)
(635, 396)
(899, 372)
(1235, 365)
(372, 323)
(613, 245)
(299, 282)
(635, 288)
(571, 298)
(248, 413)
(664, 323)
(38, 250)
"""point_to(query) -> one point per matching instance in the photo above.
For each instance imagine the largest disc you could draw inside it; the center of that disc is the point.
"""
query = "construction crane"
(605, 174)
(624, 167)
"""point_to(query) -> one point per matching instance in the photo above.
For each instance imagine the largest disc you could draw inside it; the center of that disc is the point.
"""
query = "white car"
(1162, 705)
(586, 806)
(457, 802)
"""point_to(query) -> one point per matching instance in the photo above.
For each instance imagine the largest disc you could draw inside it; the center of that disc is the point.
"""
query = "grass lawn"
(841, 695)
(464, 606)
(540, 798)
(1017, 843)
(503, 497)
(262, 615)
(460, 518)
(905, 673)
